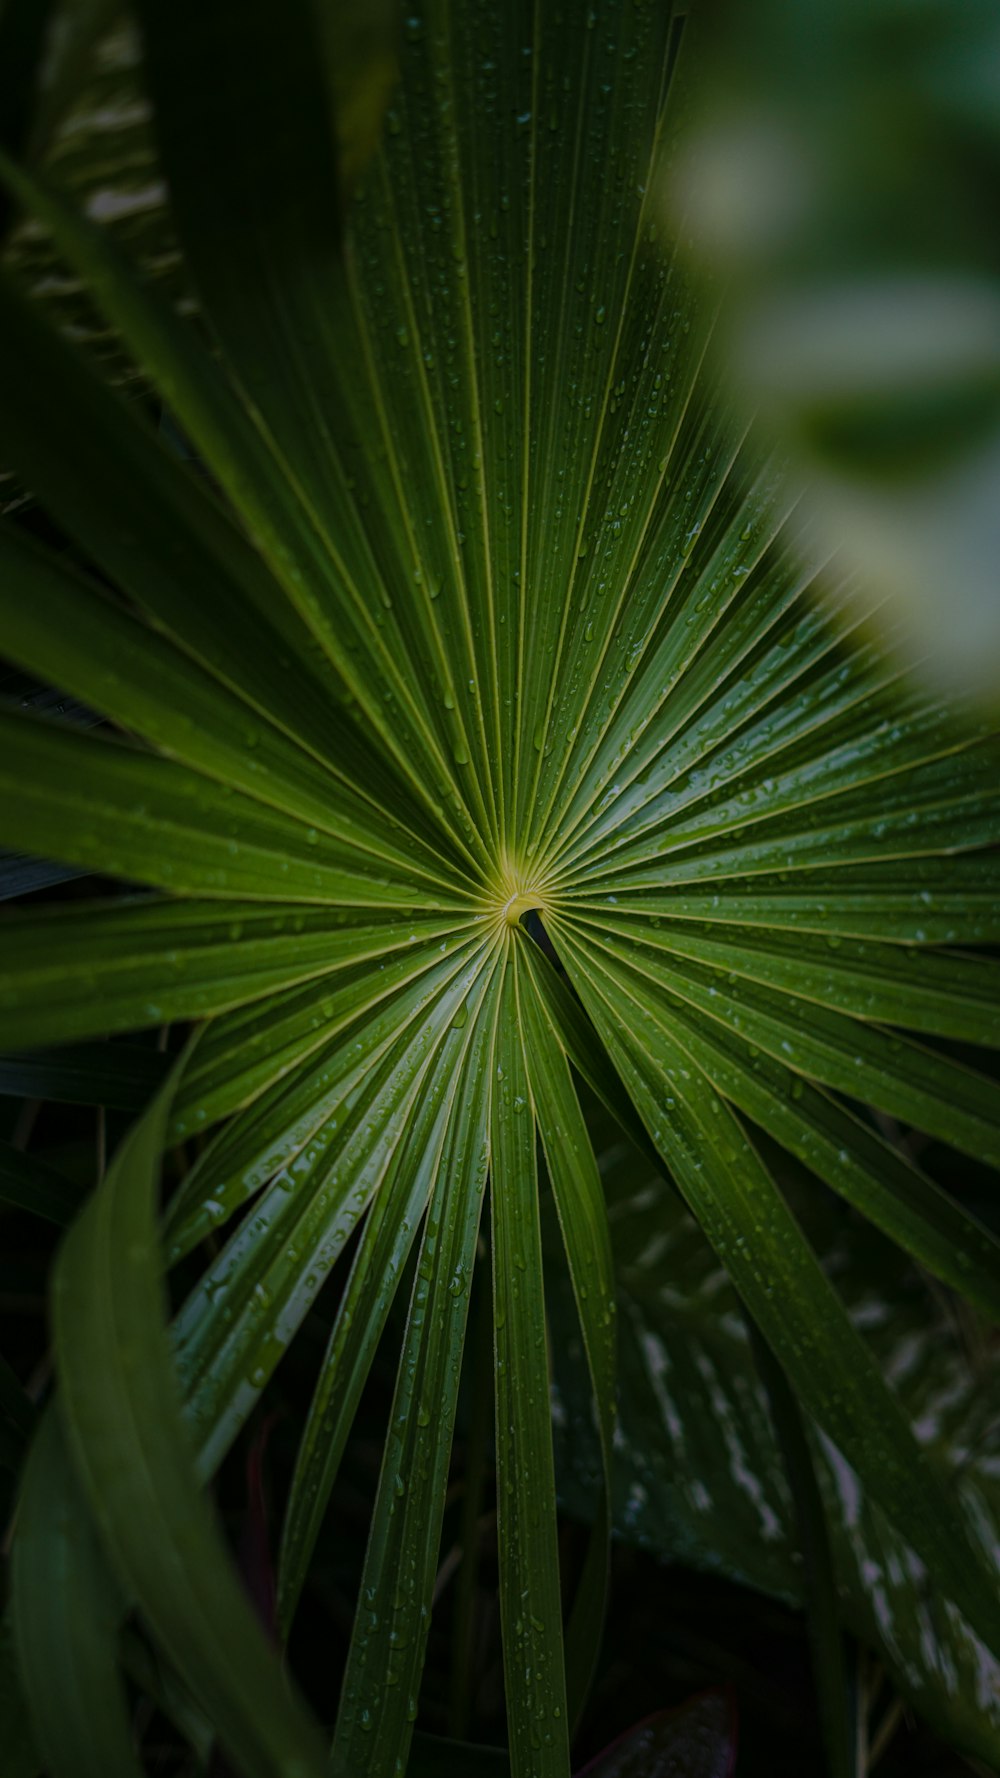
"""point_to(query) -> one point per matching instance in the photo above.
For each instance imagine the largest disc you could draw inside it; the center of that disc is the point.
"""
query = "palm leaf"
(475, 598)
(379, 1699)
(580, 1207)
(530, 1606)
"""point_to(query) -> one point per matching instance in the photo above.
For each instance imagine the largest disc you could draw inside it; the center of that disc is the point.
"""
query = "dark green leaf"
(66, 1613)
(129, 1445)
(530, 1603)
(122, 1076)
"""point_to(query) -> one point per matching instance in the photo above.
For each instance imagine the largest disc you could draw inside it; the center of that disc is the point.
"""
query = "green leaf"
(234, 1328)
(322, 1038)
(900, 1077)
(379, 1697)
(66, 1611)
(948, 900)
(779, 1279)
(584, 1049)
(136, 815)
(120, 1399)
(530, 1602)
(862, 313)
(951, 995)
(179, 541)
(60, 624)
(145, 961)
(579, 1201)
(387, 1238)
(268, 332)
(829, 1138)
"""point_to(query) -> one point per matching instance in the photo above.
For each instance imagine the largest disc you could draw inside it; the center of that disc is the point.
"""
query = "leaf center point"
(518, 893)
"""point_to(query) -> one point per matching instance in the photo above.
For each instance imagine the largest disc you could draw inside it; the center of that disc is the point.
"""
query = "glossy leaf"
(777, 1276)
(379, 1696)
(145, 962)
(576, 1188)
(530, 1604)
(389, 1233)
(234, 1328)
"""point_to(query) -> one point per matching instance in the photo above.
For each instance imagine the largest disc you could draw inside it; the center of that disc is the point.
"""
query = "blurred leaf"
(78, 27)
(66, 1613)
(90, 132)
(842, 172)
(21, 1760)
(132, 1453)
(360, 42)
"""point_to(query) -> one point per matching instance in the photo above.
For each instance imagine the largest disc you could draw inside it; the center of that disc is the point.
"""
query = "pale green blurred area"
(840, 173)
